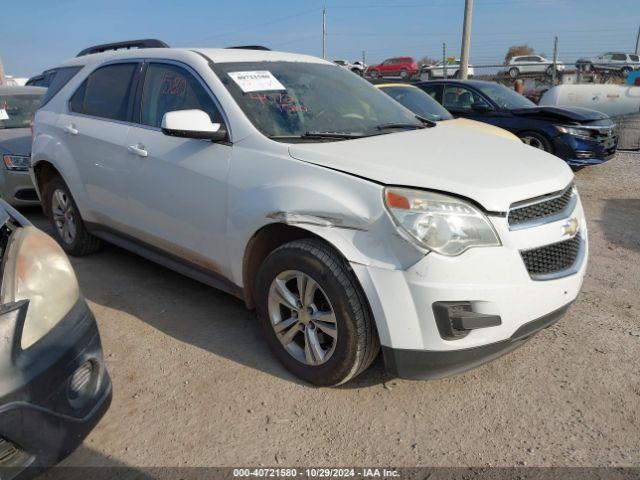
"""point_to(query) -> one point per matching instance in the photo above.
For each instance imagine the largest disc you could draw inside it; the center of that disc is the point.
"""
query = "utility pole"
(638, 42)
(324, 32)
(554, 68)
(444, 61)
(1, 73)
(466, 39)
(363, 59)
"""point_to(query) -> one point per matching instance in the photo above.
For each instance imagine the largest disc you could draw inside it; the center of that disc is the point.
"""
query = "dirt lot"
(194, 384)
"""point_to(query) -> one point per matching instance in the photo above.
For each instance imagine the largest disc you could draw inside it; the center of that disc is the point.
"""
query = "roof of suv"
(216, 55)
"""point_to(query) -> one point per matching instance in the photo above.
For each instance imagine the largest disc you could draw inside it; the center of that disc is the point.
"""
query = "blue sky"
(38, 34)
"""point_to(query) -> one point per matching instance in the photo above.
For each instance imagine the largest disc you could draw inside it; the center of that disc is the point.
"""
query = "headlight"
(575, 131)
(38, 270)
(19, 163)
(444, 224)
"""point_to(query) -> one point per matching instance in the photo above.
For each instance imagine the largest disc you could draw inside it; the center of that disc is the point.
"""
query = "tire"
(355, 344)
(549, 71)
(357, 71)
(625, 71)
(404, 74)
(81, 242)
(374, 74)
(536, 140)
(514, 72)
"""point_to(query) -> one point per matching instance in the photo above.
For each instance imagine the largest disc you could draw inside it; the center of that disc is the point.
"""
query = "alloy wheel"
(63, 216)
(302, 317)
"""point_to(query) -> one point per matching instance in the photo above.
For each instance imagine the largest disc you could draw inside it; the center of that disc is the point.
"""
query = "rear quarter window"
(57, 79)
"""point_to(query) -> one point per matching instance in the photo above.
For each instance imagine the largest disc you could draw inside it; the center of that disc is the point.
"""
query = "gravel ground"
(194, 384)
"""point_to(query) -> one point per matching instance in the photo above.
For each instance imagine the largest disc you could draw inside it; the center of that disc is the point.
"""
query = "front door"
(177, 186)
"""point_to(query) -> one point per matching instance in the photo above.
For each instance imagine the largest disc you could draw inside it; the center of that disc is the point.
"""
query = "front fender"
(346, 211)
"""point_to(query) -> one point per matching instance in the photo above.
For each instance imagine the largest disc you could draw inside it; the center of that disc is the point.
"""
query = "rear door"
(95, 127)
(177, 187)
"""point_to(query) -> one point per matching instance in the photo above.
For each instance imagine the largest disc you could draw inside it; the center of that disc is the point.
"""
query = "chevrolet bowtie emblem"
(571, 227)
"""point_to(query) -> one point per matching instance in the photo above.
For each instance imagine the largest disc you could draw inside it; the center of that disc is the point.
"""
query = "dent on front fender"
(346, 211)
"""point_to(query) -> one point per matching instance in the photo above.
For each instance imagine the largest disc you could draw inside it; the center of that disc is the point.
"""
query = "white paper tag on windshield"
(257, 81)
(3, 114)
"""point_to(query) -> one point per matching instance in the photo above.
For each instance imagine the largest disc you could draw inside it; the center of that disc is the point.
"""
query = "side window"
(58, 79)
(105, 93)
(619, 57)
(460, 98)
(435, 91)
(168, 88)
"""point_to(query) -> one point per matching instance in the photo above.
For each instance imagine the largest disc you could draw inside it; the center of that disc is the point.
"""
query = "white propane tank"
(612, 100)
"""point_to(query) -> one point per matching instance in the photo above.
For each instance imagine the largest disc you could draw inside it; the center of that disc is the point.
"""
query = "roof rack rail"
(250, 47)
(144, 43)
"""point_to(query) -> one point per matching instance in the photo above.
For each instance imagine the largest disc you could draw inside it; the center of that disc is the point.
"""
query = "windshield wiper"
(425, 123)
(320, 135)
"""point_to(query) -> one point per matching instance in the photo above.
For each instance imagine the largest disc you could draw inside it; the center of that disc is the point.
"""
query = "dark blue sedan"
(579, 136)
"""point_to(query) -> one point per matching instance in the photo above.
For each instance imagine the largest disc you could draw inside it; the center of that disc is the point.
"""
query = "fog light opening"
(82, 384)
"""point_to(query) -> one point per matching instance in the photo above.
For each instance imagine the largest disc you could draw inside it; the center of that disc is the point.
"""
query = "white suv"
(532, 64)
(344, 219)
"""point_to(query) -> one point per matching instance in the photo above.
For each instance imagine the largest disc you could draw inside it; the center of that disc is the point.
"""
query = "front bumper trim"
(426, 364)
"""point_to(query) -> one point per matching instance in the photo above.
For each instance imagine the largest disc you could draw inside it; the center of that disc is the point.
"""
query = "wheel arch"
(266, 240)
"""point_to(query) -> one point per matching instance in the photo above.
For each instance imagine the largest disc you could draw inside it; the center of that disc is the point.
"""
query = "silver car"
(17, 108)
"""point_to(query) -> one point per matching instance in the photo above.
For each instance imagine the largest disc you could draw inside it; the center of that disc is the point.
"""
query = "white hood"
(493, 171)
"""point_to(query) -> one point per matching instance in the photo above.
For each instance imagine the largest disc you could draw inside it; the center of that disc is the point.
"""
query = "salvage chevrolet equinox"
(344, 219)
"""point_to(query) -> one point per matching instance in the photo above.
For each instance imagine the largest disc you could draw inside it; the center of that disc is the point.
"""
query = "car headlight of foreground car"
(38, 270)
(444, 224)
(17, 163)
(574, 131)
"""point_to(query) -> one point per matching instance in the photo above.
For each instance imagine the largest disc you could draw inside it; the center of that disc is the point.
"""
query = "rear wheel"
(549, 71)
(68, 227)
(536, 140)
(626, 71)
(404, 74)
(314, 314)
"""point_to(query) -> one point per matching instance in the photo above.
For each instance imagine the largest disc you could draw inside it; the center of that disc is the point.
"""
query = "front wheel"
(314, 314)
(68, 227)
(536, 140)
(404, 74)
(514, 72)
(374, 74)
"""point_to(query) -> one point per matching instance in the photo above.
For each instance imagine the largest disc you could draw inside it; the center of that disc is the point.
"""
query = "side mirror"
(481, 107)
(192, 124)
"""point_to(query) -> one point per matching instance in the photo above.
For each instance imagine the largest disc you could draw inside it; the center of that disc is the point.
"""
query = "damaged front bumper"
(444, 315)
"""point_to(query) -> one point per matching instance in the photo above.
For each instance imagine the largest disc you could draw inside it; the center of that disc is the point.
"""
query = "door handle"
(138, 149)
(71, 129)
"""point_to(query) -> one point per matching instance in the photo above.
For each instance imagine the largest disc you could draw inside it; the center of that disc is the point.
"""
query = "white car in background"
(355, 67)
(525, 64)
(428, 72)
(344, 219)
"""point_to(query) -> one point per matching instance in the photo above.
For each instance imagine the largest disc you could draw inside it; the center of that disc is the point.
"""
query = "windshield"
(17, 111)
(418, 102)
(504, 97)
(293, 99)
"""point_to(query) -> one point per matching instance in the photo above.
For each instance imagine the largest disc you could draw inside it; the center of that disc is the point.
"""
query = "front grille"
(540, 210)
(552, 259)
